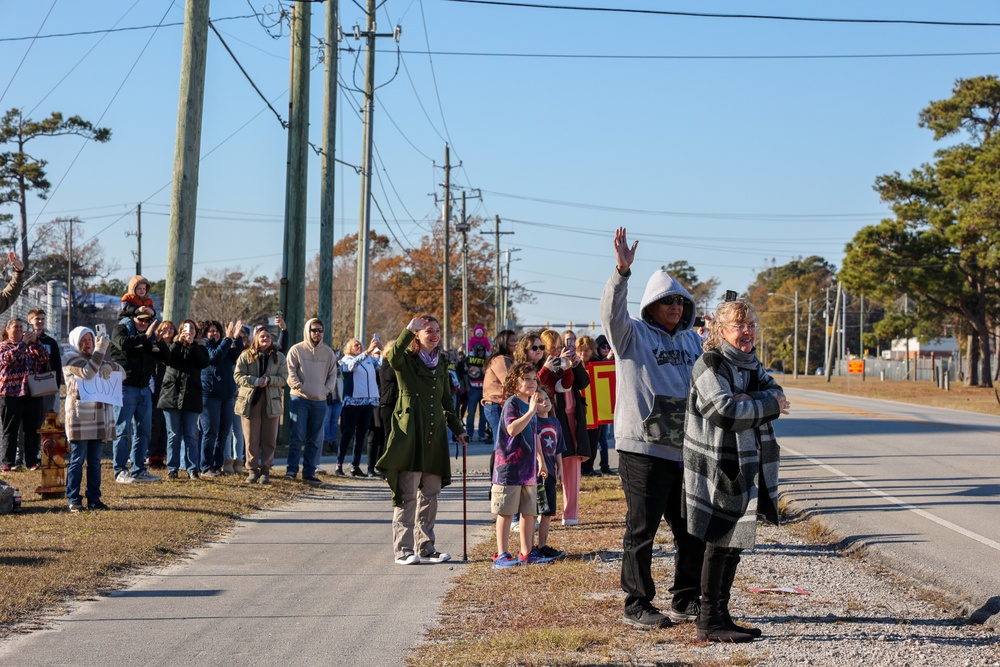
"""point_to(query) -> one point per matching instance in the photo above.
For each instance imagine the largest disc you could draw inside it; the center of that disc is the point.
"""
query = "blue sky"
(710, 153)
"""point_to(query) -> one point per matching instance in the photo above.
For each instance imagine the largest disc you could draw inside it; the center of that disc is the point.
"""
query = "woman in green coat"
(416, 462)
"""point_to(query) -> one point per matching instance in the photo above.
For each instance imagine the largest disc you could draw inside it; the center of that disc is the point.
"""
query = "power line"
(27, 51)
(81, 33)
(766, 17)
(611, 56)
(232, 55)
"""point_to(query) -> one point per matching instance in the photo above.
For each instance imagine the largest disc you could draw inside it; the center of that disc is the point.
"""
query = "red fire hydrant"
(54, 453)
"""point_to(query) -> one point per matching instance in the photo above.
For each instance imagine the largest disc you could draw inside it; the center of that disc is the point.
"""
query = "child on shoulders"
(136, 300)
(553, 445)
(519, 461)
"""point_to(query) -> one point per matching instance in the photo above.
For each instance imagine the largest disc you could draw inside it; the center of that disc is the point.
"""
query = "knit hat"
(76, 334)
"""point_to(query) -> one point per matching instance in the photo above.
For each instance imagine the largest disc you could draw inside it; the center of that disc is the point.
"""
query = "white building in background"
(934, 348)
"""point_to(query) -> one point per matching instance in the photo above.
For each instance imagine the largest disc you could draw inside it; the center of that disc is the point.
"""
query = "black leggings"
(22, 413)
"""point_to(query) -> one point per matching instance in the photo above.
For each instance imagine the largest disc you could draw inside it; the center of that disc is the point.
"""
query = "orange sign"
(600, 394)
(856, 367)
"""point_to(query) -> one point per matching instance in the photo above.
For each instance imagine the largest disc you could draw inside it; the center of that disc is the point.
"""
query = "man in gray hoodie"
(654, 356)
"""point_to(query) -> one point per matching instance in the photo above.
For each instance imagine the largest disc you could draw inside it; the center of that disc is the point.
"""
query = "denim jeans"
(492, 413)
(88, 451)
(653, 491)
(133, 421)
(216, 424)
(331, 427)
(182, 436)
(602, 445)
(305, 434)
(239, 443)
(356, 421)
(475, 396)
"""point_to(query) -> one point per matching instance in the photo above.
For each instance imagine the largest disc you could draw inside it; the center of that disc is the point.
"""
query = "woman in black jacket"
(181, 399)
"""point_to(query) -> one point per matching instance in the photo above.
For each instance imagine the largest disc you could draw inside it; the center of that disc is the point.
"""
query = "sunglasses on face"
(315, 331)
(537, 348)
(672, 300)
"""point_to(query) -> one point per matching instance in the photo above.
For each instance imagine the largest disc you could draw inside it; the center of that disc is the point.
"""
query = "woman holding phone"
(181, 399)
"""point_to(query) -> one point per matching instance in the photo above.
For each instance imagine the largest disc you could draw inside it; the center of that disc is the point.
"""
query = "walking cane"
(465, 544)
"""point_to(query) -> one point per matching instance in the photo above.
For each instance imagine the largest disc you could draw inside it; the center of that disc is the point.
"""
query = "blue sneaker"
(533, 558)
(504, 560)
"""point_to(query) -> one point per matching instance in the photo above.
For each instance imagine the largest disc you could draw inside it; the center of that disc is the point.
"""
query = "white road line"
(882, 494)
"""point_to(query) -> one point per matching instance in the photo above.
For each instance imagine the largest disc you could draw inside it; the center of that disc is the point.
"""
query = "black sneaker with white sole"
(684, 613)
(646, 618)
(435, 557)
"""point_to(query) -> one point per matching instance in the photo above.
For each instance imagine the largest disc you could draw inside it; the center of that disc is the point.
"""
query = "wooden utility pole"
(446, 215)
(463, 226)
(293, 268)
(69, 279)
(327, 172)
(187, 157)
(137, 254)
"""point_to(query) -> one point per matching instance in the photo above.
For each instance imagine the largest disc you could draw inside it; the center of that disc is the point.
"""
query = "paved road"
(309, 584)
(918, 487)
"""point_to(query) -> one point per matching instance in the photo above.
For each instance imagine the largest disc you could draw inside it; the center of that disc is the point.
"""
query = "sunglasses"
(537, 348)
(315, 331)
(673, 300)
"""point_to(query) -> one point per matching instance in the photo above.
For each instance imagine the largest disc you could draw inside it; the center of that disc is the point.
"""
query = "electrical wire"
(110, 30)
(232, 55)
(768, 17)
(28, 50)
(611, 56)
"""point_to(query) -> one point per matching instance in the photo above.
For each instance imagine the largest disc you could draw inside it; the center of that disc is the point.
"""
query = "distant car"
(820, 371)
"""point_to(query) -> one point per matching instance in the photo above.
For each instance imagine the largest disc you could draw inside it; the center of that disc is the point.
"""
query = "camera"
(731, 295)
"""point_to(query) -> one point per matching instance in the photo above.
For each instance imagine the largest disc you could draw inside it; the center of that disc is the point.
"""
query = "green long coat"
(425, 409)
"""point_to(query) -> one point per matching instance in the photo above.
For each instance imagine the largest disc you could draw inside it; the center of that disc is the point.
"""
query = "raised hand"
(417, 324)
(624, 255)
(15, 261)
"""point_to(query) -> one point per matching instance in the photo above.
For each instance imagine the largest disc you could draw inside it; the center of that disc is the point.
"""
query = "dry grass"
(972, 399)
(49, 556)
(565, 613)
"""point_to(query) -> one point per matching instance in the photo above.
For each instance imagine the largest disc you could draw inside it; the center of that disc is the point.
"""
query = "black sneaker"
(339, 472)
(646, 618)
(356, 472)
(549, 552)
(97, 505)
(685, 612)
(314, 481)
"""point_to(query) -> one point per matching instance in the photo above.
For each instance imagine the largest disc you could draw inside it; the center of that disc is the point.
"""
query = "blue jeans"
(89, 451)
(356, 420)
(305, 434)
(216, 423)
(492, 413)
(332, 425)
(182, 436)
(602, 444)
(475, 396)
(133, 422)
(239, 443)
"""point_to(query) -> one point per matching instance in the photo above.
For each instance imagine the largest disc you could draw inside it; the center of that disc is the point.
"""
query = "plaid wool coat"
(729, 448)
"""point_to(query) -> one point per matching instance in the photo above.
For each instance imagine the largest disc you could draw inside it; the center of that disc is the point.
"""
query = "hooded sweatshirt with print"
(312, 369)
(652, 367)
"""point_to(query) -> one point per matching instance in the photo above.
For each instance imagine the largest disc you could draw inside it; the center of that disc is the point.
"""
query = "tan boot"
(238, 466)
(227, 466)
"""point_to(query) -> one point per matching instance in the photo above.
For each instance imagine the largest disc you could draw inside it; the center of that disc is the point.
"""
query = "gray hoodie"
(652, 367)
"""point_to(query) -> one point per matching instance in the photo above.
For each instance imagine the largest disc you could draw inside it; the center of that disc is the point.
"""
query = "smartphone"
(102, 329)
(377, 338)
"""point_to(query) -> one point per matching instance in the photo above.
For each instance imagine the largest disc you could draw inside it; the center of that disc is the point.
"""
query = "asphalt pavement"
(311, 583)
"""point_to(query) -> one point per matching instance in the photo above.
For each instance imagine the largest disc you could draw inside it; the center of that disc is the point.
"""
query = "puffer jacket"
(181, 388)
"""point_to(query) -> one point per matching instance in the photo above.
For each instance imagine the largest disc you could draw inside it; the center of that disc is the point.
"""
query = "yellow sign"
(601, 393)
(856, 367)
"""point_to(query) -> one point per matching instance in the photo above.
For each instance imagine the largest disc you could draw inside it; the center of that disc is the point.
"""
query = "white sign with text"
(99, 390)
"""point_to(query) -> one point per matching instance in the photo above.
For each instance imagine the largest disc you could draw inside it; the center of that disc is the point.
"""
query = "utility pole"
(137, 255)
(327, 171)
(795, 352)
(497, 281)
(809, 330)
(446, 215)
(463, 226)
(833, 338)
(187, 158)
(364, 224)
(291, 298)
(69, 280)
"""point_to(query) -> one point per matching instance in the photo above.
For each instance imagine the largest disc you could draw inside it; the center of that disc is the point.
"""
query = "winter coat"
(246, 373)
(217, 378)
(728, 446)
(134, 353)
(181, 388)
(312, 369)
(17, 362)
(580, 444)
(652, 367)
(360, 385)
(12, 290)
(418, 439)
(87, 420)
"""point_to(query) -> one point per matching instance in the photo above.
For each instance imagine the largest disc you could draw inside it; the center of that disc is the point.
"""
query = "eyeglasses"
(675, 300)
(537, 348)
(743, 328)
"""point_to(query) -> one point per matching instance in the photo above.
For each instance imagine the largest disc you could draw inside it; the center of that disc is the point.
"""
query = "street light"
(795, 350)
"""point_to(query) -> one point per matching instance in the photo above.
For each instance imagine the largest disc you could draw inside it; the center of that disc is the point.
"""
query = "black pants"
(20, 413)
(354, 423)
(654, 491)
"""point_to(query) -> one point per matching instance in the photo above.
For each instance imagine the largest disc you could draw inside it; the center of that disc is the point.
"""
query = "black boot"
(710, 625)
(727, 584)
